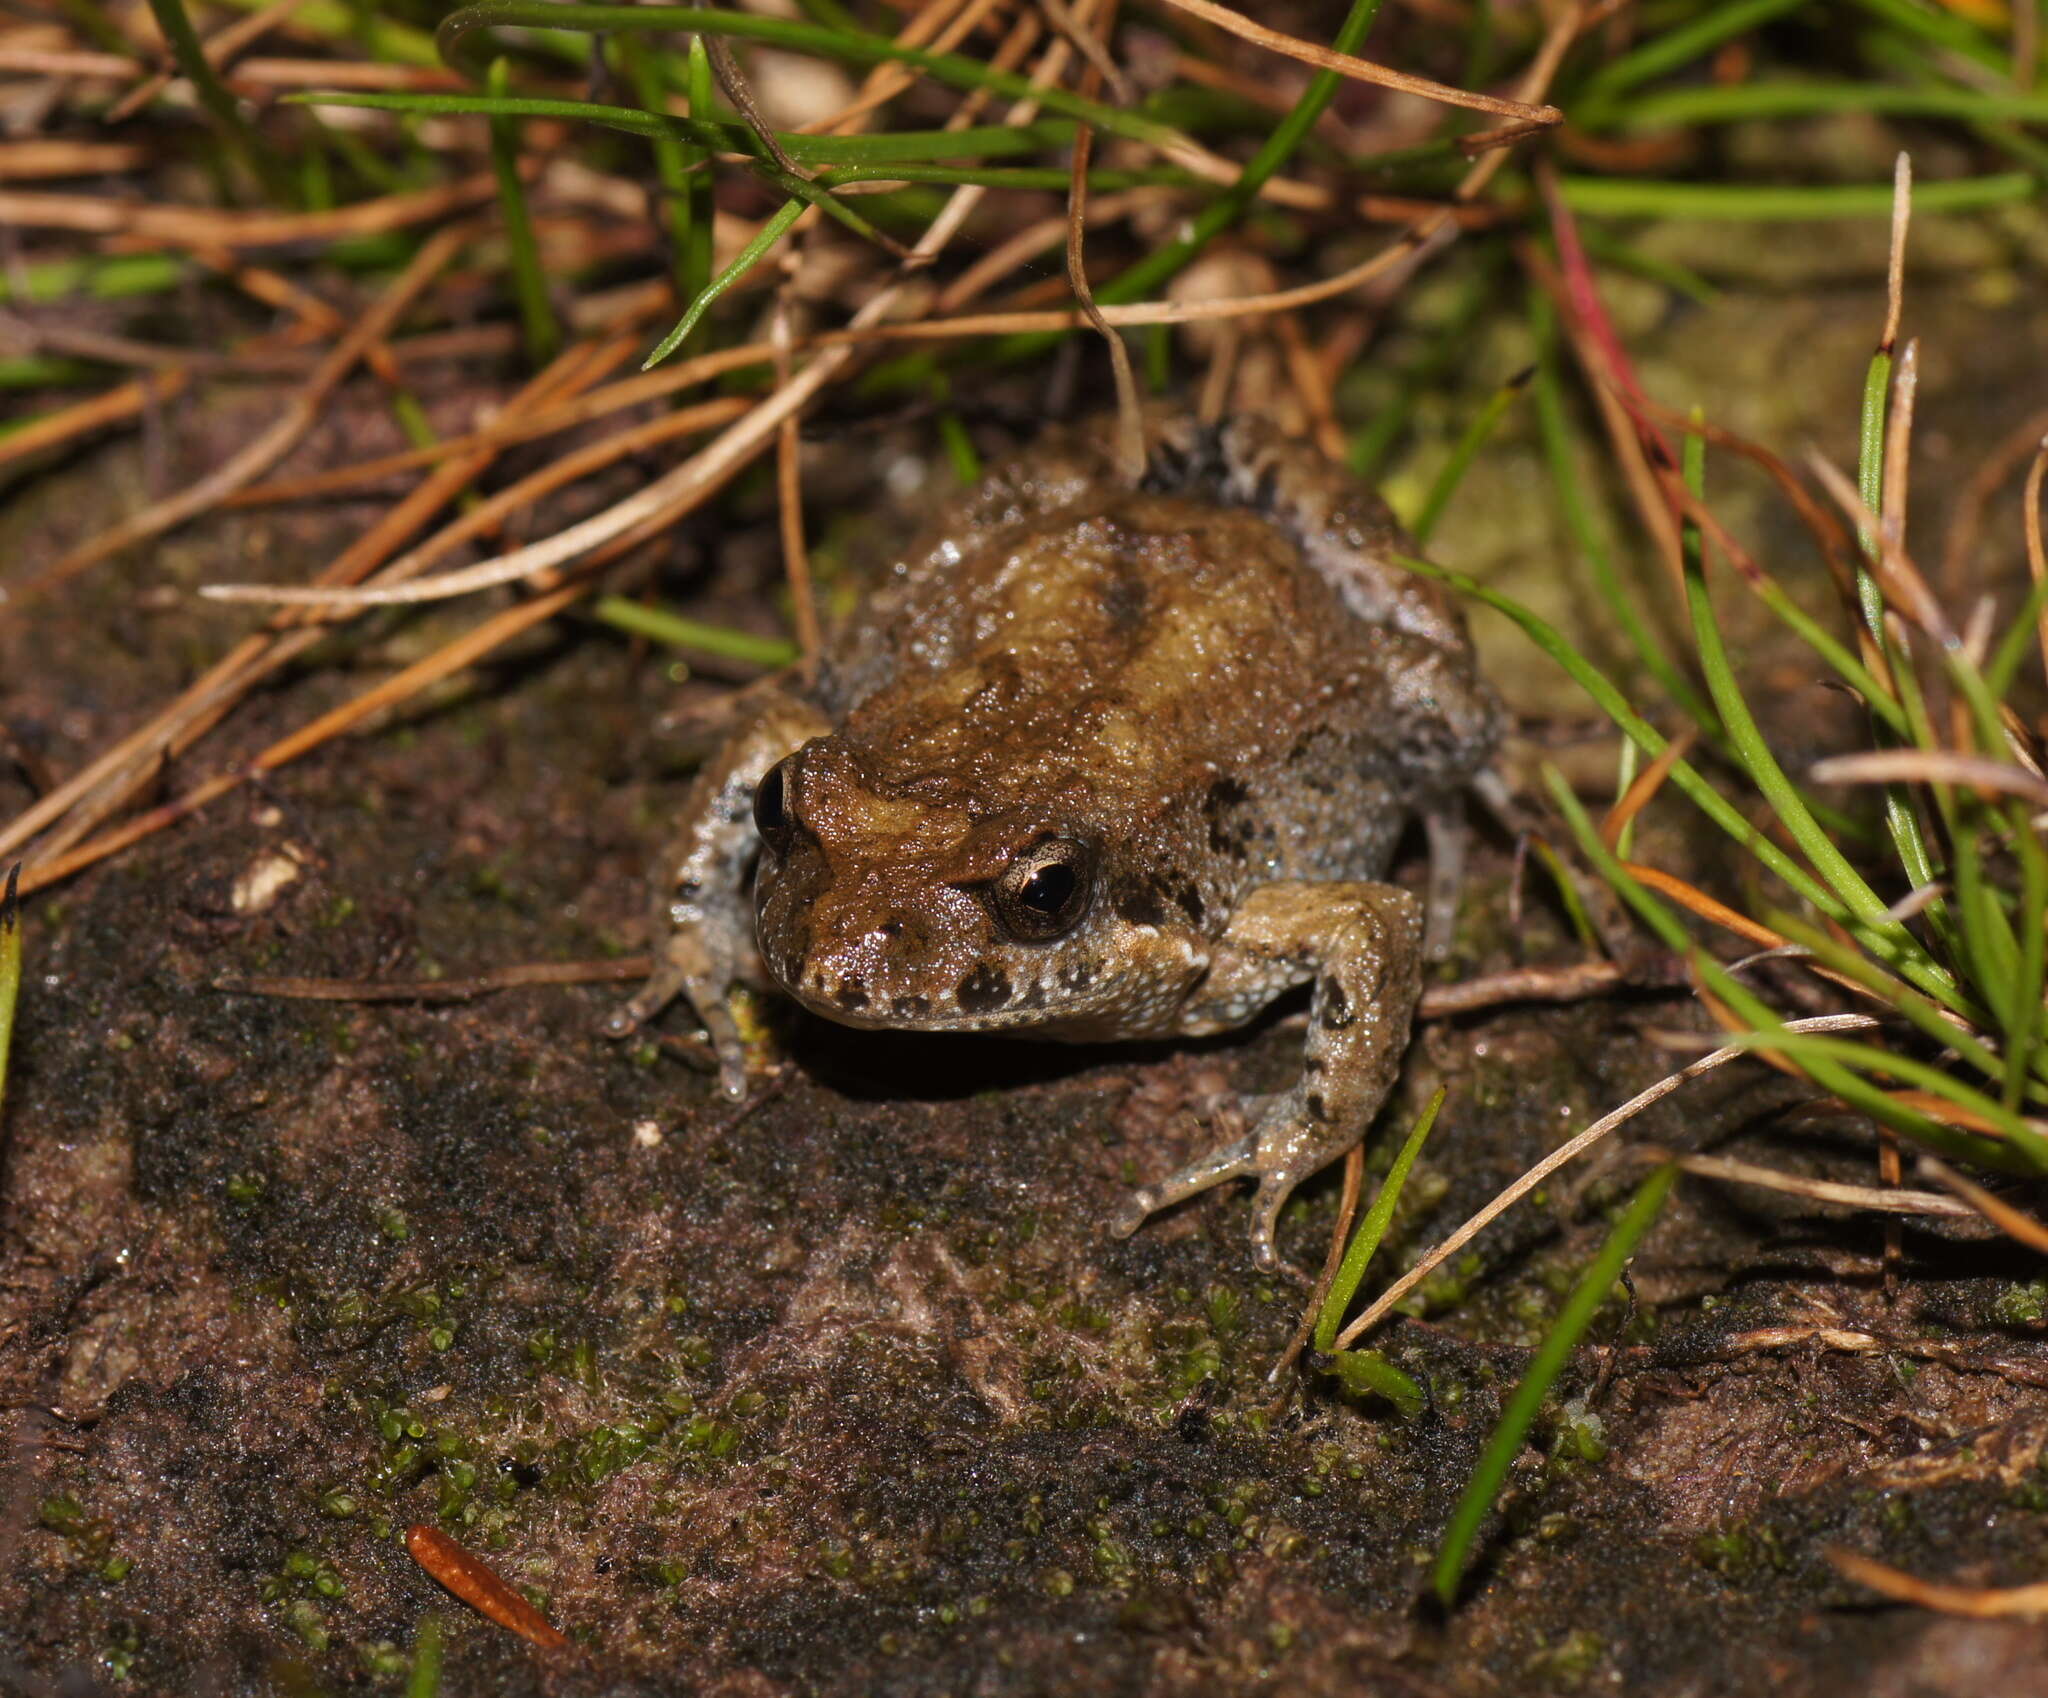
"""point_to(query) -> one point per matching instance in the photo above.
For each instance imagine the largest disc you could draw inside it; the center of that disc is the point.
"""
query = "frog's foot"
(1291, 1143)
(1360, 946)
(679, 974)
(1233, 1160)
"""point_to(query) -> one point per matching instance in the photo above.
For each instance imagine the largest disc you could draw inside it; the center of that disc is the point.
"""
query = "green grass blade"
(769, 653)
(213, 95)
(463, 38)
(1603, 245)
(1775, 98)
(1044, 179)
(2017, 643)
(543, 334)
(1643, 197)
(1475, 437)
(674, 159)
(1369, 447)
(114, 278)
(953, 435)
(2021, 1140)
(1900, 819)
(387, 40)
(2023, 1018)
(696, 244)
(1941, 26)
(744, 261)
(1365, 1241)
(1369, 1371)
(425, 1679)
(1676, 47)
(1567, 889)
(901, 147)
(1549, 1361)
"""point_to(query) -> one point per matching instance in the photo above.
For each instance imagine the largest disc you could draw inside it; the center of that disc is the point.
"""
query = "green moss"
(1569, 1661)
(1742, 1551)
(2021, 1305)
(63, 1513)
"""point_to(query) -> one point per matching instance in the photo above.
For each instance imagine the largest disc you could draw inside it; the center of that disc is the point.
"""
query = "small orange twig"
(477, 1585)
(1980, 1603)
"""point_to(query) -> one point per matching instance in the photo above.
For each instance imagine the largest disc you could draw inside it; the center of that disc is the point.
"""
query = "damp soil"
(846, 1388)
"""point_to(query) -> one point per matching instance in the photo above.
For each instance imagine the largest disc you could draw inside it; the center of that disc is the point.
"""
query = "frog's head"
(880, 908)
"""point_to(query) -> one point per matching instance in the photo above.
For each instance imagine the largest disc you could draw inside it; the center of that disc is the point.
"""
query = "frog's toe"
(1272, 1197)
(661, 987)
(671, 981)
(1138, 1208)
(1227, 1161)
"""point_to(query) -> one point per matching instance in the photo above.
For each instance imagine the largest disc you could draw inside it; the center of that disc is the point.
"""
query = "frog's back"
(1235, 628)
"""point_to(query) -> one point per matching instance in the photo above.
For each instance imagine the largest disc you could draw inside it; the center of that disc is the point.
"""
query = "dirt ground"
(849, 1390)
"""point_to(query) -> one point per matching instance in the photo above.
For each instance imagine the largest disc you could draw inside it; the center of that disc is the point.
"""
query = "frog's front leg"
(1361, 944)
(703, 920)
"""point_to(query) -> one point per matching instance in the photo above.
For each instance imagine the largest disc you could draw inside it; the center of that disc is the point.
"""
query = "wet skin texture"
(1097, 763)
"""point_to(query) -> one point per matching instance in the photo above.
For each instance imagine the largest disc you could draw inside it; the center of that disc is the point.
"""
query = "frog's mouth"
(986, 998)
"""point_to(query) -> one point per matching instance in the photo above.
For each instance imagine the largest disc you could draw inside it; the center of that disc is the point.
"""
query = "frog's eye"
(771, 810)
(1044, 891)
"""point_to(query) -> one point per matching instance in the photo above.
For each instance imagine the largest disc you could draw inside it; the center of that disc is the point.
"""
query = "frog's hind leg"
(1360, 944)
(1449, 832)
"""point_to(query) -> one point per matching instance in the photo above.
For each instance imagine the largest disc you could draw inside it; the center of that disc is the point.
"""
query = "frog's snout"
(857, 949)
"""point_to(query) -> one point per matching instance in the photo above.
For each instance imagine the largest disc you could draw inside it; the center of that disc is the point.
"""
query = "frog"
(1104, 758)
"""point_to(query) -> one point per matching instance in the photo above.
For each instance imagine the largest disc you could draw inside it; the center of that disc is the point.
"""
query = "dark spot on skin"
(910, 1007)
(1123, 602)
(1139, 905)
(689, 890)
(1313, 1065)
(1175, 467)
(1314, 1103)
(982, 990)
(1145, 904)
(1336, 1005)
(1267, 490)
(853, 993)
(1033, 997)
(1077, 977)
(1225, 797)
(891, 928)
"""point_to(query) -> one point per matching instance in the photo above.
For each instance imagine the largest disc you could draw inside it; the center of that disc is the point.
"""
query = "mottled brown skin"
(1101, 763)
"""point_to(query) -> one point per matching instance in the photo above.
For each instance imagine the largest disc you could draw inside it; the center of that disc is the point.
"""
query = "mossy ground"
(851, 1392)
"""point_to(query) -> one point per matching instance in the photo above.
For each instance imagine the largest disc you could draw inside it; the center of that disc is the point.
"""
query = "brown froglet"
(1098, 762)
